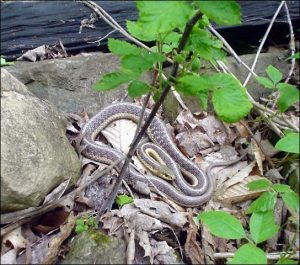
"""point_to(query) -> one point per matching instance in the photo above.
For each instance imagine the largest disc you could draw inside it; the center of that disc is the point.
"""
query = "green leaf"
(135, 63)
(222, 224)
(296, 56)
(112, 80)
(291, 199)
(281, 187)
(205, 44)
(263, 203)
(192, 84)
(196, 64)
(123, 48)
(249, 254)
(229, 98)
(259, 184)
(289, 143)
(123, 199)
(274, 74)
(262, 226)
(138, 31)
(222, 12)
(137, 89)
(159, 18)
(142, 62)
(289, 94)
(266, 82)
(286, 261)
(203, 99)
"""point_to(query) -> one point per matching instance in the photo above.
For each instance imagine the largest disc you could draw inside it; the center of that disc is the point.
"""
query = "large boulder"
(35, 153)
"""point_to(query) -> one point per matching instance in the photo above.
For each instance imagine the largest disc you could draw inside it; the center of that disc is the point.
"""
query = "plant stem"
(111, 197)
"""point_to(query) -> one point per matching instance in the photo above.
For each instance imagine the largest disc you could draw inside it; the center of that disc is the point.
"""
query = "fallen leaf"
(192, 250)
(259, 156)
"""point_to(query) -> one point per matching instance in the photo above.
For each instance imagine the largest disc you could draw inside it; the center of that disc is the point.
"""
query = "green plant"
(123, 199)
(86, 223)
(289, 94)
(262, 225)
(165, 22)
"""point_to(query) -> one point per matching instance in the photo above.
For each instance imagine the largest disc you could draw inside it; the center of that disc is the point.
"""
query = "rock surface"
(98, 250)
(35, 153)
(67, 83)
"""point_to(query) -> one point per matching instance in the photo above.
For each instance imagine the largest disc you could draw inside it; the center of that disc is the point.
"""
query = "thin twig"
(263, 42)
(98, 41)
(270, 256)
(292, 43)
(188, 28)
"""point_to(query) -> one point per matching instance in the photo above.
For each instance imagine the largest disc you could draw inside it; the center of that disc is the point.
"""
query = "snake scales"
(181, 192)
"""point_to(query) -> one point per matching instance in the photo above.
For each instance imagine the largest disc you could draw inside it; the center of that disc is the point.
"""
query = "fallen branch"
(270, 256)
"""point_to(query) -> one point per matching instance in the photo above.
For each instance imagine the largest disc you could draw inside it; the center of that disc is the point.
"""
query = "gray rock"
(96, 248)
(67, 83)
(35, 153)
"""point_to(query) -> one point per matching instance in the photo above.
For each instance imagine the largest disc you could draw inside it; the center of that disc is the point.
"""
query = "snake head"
(166, 173)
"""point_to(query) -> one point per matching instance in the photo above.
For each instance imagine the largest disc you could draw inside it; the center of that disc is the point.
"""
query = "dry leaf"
(193, 142)
(46, 252)
(259, 156)
(192, 249)
(234, 189)
(120, 134)
(162, 211)
(162, 253)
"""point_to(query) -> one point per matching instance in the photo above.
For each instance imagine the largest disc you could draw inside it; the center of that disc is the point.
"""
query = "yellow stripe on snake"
(178, 190)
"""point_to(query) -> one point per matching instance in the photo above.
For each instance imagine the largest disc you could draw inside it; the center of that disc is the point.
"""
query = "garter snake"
(183, 193)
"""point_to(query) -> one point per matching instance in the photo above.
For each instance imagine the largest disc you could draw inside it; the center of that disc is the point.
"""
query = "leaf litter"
(157, 231)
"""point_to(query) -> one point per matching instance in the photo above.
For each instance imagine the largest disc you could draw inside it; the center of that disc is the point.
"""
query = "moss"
(99, 237)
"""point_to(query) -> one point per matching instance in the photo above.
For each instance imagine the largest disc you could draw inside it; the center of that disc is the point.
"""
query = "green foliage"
(228, 96)
(289, 143)
(222, 224)
(222, 12)
(264, 203)
(249, 254)
(137, 89)
(289, 94)
(123, 199)
(296, 56)
(274, 74)
(3, 62)
(259, 184)
(86, 223)
(112, 80)
(262, 226)
(159, 18)
(291, 200)
(266, 82)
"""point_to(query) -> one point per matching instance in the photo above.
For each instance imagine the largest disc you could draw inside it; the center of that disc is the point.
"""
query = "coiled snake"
(181, 192)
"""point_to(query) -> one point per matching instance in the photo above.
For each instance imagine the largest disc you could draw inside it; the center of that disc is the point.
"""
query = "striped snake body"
(183, 193)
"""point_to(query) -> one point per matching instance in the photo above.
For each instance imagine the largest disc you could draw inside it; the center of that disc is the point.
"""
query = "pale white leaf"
(120, 134)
